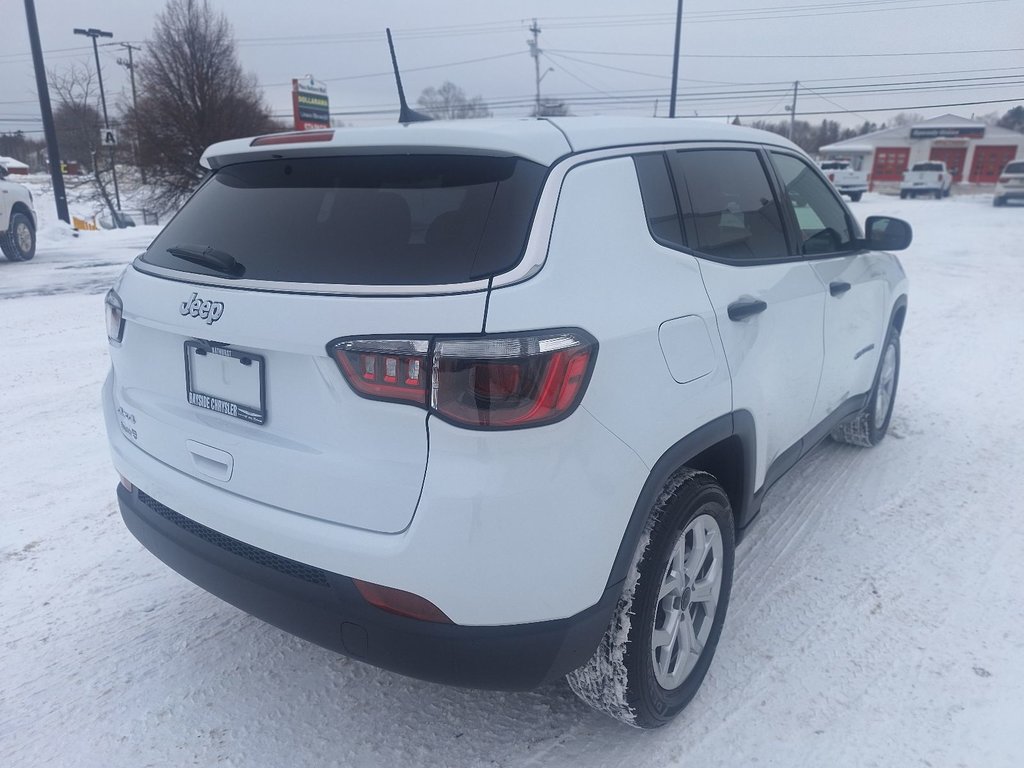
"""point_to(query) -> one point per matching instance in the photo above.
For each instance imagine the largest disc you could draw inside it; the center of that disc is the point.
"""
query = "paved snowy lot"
(877, 615)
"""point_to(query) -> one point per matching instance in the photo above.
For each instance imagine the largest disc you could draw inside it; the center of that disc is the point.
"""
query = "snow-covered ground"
(877, 615)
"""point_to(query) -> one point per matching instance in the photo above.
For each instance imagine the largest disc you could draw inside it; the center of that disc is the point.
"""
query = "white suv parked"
(17, 220)
(488, 402)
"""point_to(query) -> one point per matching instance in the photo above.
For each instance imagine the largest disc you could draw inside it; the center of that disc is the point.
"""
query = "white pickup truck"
(845, 179)
(17, 220)
(931, 178)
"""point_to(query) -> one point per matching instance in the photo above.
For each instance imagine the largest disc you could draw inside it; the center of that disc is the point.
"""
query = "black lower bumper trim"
(325, 608)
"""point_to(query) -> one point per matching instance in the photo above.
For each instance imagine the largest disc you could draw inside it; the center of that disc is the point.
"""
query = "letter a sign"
(108, 137)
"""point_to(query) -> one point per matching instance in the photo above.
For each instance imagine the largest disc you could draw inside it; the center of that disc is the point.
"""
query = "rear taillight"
(940, 178)
(831, 177)
(1004, 179)
(115, 316)
(385, 369)
(501, 381)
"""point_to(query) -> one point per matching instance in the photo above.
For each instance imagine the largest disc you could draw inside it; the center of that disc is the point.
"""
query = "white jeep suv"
(17, 220)
(488, 402)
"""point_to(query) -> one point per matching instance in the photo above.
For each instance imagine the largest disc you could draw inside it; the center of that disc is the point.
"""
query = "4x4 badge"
(204, 309)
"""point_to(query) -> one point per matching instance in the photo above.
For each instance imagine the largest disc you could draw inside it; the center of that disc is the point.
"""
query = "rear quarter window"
(361, 220)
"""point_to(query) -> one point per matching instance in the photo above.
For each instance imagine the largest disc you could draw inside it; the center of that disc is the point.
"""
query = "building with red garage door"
(973, 151)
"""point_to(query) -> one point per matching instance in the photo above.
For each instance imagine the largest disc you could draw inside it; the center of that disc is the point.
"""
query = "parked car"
(1011, 184)
(488, 402)
(17, 220)
(931, 178)
(844, 178)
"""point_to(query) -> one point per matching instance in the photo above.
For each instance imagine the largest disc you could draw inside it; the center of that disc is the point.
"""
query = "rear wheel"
(998, 202)
(904, 194)
(939, 194)
(19, 242)
(869, 426)
(663, 635)
(855, 197)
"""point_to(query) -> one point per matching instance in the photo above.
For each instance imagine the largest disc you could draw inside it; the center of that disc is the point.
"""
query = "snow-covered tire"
(624, 677)
(904, 194)
(19, 241)
(867, 428)
(998, 202)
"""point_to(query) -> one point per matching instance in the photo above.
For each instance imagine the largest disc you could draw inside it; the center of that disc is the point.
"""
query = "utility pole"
(535, 52)
(52, 150)
(94, 33)
(792, 111)
(130, 66)
(675, 59)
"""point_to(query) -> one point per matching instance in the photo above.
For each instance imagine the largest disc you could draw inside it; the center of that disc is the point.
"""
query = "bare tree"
(192, 93)
(449, 102)
(76, 117)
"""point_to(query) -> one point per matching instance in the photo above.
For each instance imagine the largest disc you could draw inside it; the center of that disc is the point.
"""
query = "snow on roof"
(541, 140)
(10, 162)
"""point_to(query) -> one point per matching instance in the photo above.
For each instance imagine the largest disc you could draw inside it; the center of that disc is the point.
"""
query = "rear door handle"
(739, 310)
(838, 288)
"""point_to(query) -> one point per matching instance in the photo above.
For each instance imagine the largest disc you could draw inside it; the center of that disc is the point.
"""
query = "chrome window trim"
(534, 255)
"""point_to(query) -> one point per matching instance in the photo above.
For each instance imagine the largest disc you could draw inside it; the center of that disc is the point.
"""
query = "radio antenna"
(405, 115)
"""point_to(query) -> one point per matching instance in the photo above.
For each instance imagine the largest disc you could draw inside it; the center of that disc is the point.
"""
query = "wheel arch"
(20, 207)
(899, 313)
(724, 448)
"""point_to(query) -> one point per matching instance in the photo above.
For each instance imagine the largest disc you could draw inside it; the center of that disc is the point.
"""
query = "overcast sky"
(739, 56)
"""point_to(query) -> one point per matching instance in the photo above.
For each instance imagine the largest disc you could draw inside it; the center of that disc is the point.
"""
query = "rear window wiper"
(208, 256)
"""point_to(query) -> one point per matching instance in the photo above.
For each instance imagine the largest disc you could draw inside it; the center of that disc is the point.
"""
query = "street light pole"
(52, 150)
(94, 33)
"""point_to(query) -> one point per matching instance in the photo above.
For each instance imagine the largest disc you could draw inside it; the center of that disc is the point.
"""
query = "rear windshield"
(834, 166)
(927, 167)
(360, 220)
(1014, 168)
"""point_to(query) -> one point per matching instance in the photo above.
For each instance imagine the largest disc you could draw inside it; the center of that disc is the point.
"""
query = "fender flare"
(738, 424)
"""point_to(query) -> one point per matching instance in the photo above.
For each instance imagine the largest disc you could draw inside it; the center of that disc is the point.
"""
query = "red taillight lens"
(511, 381)
(400, 603)
(1004, 179)
(292, 137)
(491, 382)
(831, 177)
(385, 369)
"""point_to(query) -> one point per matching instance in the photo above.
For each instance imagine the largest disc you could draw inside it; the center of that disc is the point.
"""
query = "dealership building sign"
(948, 132)
(309, 105)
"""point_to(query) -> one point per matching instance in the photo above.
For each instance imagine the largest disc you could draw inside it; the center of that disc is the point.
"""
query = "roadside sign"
(108, 137)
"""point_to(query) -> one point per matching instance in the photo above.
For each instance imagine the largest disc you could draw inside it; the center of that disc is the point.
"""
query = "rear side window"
(729, 210)
(361, 220)
(659, 199)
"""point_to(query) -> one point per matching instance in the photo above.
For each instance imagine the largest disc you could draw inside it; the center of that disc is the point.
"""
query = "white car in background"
(17, 220)
(844, 178)
(488, 402)
(1011, 184)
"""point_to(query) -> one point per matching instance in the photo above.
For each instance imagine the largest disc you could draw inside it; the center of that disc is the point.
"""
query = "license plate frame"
(241, 391)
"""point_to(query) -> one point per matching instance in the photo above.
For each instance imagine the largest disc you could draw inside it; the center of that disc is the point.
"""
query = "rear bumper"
(325, 608)
(1016, 193)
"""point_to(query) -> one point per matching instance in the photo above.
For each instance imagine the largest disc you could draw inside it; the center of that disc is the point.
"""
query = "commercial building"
(974, 152)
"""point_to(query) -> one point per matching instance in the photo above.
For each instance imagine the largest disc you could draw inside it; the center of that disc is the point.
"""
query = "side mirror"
(885, 233)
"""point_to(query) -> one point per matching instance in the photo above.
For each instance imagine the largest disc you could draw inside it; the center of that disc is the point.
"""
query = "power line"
(789, 55)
